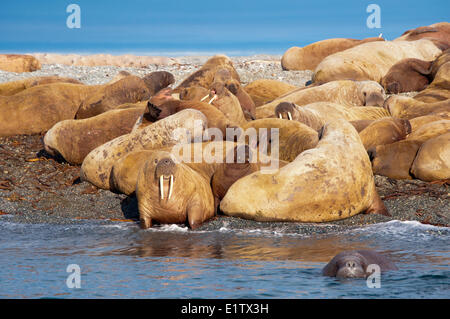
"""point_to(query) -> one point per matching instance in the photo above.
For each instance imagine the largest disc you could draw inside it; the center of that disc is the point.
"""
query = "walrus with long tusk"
(227, 103)
(169, 192)
(355, 263)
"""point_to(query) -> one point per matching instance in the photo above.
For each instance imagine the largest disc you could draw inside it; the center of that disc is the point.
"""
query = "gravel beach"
(35, 188)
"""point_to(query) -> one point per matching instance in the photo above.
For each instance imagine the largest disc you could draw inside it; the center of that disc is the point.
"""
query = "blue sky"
(213, 25)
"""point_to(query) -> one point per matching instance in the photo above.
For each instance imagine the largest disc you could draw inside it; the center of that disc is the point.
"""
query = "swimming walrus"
(347, 93)
(265, 90)
(354, 264)
(317, 114)
(170, 192)
(308, 57)
(384, 131)
(318, 186)
(181, 127)
(432, 161)
(11, 88)
(372, 61)
(75, 139)
(407, 75)
(204, 77)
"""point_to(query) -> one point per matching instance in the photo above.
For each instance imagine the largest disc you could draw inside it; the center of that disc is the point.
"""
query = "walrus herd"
(266, 151)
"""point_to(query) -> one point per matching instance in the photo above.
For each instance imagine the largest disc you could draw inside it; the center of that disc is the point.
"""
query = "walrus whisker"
(204, 98)
(213, 98)
(289, 116)
(161, 187)
(170, 186)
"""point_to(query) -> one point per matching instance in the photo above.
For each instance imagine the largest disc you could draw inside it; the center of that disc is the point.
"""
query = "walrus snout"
(286, 109)
(374, 99)
(165, 171)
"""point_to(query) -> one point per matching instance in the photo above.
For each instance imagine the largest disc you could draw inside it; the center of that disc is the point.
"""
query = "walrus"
(181, 127)
(347, 93)
(360, 125)
(227, 103)
(384, 131)
(19, 63)
(316, 115)
(408, 108)
(318, 186)
(204, 77)
(194, 93)
(75, 139)
(372, 61)
(308, 57)
(169, 192)
(432, 161)
(439, 62)
(355, 263)
(430, 130)
(158, 80)
(394, 160)
(265, 90)
(425, 119)
(407, 75)
(11, 88)
(216, 118)
(129, 89)
(439, 89)
(293, 137)
(439, 33)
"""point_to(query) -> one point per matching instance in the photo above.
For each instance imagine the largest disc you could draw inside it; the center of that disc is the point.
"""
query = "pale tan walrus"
(265, 90)
(13, 87)
(332, 181)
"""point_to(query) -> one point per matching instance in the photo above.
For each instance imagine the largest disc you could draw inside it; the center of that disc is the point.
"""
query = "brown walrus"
(181, 127)
(170, 192)
(439, 33)
(204, 77)
(432, 161)
(347, 93)
(407, 75)
(355, 263)
(439, 89)
(227, 103)
(425, 119)
(265, 90)
(75, 139)
(19, 63)
(158, 80)
(318, 186)
(317, 114)
(11, 88)
(409, 108)
(384, 131)
(430, 130)
(372, 61)
(308, 57)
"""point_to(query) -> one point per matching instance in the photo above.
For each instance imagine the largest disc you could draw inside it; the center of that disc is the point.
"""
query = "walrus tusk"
(204, 98)
(381, 34)
(280, 116)
(213, 98)
(161, 187)
(289, 116)
(170, 186)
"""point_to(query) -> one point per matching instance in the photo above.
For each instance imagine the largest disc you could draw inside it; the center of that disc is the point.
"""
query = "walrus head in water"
(371, 93)
(169, 192)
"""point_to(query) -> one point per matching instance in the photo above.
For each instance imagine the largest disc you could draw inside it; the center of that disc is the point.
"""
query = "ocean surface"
(119, 260)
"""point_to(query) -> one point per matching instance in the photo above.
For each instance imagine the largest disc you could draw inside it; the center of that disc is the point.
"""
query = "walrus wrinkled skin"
(372, 61)
(384, 131)
(432, 162)
(97, 165)
(425, 119)
(204, 77)
(406, 76)
(316, 115)
(75, 139)
(308, 57)
(294, 137)
(439, 89)
(430, 130)
(227, 103)
(19, 63)
(408, 108)
(170, 192)
(130, 89)
(265, 90)
(11, 88)
(354, 264)
(439, 33)
(318, 186)
(394, 160)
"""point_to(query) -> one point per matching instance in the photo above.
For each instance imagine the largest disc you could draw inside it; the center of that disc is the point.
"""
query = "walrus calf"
(332, 181)
(372, 61)
(308, 57)
(407, 75)
(347, 93)
(355, 263)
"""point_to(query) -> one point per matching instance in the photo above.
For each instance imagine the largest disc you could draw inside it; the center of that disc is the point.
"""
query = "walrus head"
(371, 93)
(165, 171)
(351, 266)
(286, 110)
(194, 93)
(156, 81)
